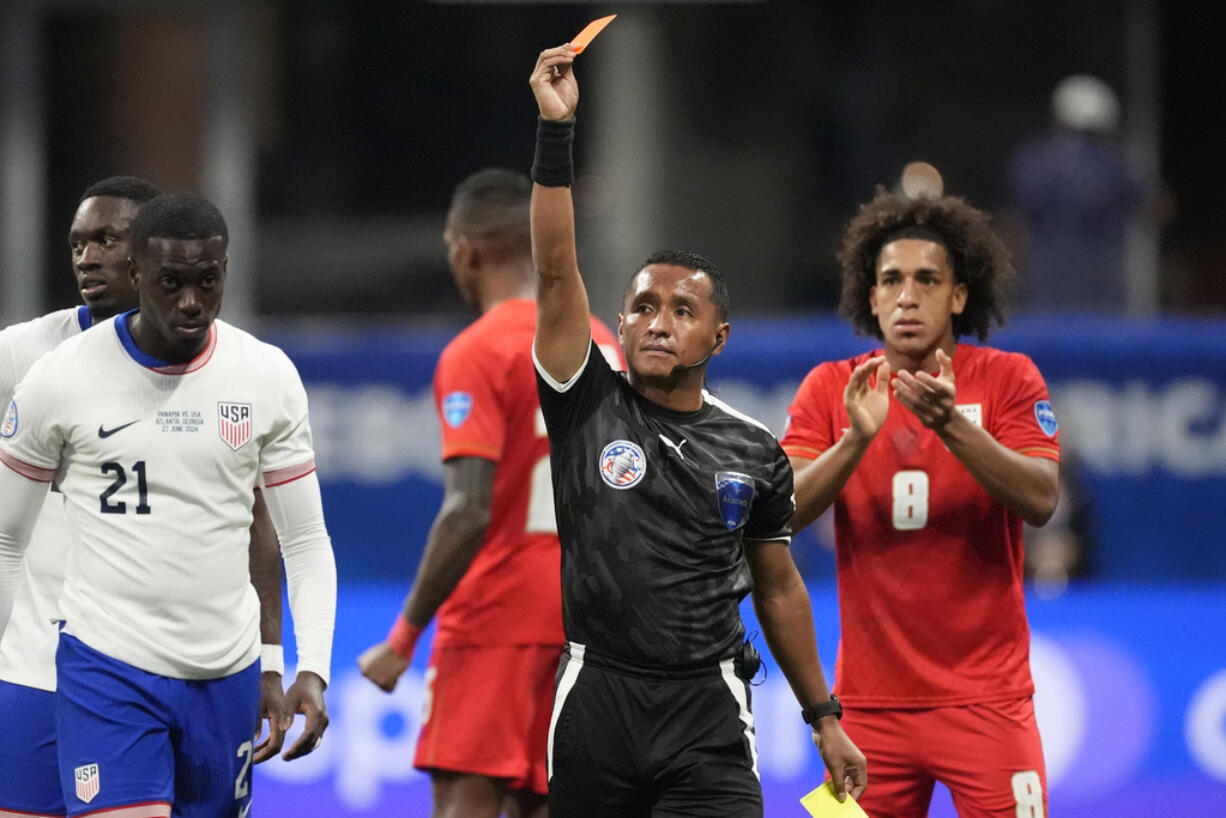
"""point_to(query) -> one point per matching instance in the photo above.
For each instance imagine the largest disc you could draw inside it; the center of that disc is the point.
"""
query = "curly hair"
(979, 258)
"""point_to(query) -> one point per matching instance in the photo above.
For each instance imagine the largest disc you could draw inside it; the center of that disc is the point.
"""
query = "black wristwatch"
(813, 712)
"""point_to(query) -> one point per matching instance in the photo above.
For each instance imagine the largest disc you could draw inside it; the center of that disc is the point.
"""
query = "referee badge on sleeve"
(9, 427)
(457, 406)
(735, 492)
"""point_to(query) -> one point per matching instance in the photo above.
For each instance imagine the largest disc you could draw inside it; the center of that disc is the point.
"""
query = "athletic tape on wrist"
(272, 659)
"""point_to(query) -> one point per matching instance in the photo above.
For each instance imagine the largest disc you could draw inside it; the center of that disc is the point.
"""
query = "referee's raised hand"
(847, 765)
(554, 85)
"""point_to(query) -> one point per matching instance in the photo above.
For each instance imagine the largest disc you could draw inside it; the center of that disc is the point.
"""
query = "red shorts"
(486, 712)
(987, 754)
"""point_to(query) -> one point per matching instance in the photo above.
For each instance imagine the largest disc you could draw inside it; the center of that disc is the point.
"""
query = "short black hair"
(132, 188)
(977, 255)
(493, 205)
(176, 216)
(690, 261)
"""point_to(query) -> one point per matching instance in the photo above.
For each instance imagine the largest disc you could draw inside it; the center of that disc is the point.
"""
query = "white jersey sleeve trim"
(714, 401)
(279, 477)
(554, 384)
(784, 540)
(27, 470)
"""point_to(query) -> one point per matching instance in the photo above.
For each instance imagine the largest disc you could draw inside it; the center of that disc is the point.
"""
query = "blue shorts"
(30, 781)
(127, 737)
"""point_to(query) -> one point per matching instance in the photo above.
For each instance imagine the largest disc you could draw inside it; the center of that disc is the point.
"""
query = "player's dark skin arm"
(1027, 486)
(264, 565)
(563, 326)
(781, 602)
(455, 539)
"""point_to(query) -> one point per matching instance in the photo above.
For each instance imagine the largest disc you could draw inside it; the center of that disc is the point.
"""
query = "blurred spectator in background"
(1060, 551)
(1072, 196)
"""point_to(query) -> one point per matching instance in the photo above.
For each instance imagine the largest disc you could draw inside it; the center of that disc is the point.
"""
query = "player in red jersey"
(491, 568)
(933, 453)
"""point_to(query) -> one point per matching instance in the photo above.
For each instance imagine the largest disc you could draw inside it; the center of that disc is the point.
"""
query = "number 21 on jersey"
(910, 499)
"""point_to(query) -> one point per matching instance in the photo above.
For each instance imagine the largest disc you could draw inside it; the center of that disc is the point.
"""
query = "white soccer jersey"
(27, 648)
(158, 465)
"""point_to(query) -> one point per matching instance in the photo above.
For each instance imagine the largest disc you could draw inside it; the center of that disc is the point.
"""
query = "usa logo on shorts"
(457, 406)
(9, 427)
(622, 464)
(88, 781)
(234, 423)
(1046, 417)
(735, 492)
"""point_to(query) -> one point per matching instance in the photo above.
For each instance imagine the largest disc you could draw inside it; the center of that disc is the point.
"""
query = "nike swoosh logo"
(105, 433)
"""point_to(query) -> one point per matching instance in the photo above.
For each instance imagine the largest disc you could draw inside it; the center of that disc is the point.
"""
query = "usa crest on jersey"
(234, 423)
(735, 492)
(88, 781)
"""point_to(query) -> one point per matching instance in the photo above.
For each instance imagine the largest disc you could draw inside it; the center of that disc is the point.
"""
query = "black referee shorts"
(623, 744)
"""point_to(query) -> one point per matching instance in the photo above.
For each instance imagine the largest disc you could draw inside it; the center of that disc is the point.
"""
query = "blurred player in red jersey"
(933, 453)
(491, 567)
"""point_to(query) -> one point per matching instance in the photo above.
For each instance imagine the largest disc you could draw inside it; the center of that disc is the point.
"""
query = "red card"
(584, 38)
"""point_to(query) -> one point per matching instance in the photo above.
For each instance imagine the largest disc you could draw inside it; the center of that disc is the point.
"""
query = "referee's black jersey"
(654, 508)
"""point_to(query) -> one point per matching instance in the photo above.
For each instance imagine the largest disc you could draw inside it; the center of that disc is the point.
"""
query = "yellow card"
(585, 37)
(821, 803)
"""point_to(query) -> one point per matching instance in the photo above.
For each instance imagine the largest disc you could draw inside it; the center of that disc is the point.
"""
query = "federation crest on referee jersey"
(735, 492)
(622, 464)
(234, 423)
(88, 781)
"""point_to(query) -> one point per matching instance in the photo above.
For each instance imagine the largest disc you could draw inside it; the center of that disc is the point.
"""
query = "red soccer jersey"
(929, 566)
(485, 393)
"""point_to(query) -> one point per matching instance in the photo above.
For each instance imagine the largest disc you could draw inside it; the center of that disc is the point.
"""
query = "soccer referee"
(671, 506)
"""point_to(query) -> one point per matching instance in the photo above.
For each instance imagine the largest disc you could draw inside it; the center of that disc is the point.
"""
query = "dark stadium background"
(332, 133)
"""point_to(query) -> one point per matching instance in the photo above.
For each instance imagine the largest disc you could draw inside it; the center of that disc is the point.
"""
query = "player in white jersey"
(156, 426)
(98, 242)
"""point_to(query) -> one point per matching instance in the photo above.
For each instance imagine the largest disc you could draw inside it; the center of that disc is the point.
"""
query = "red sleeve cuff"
(403, 636)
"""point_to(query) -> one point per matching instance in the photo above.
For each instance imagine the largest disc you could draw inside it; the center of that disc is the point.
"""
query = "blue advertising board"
(1141, 405)
(1131, 704)
(1130, 670)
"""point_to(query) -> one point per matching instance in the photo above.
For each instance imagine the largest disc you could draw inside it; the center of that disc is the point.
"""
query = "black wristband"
(816, 711)
(554, 163)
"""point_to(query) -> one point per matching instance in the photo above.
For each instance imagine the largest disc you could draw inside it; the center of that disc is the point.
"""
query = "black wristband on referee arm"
(554, 162)
(813, 712)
